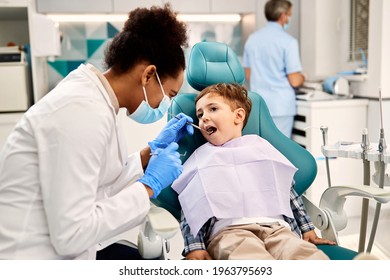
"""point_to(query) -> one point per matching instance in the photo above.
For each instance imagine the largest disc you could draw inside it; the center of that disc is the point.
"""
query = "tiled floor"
(349, 237)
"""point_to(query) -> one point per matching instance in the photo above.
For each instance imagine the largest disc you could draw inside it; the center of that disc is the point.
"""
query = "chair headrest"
(211, 63)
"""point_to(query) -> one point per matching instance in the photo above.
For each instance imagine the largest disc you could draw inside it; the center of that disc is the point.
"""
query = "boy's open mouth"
(210, 130)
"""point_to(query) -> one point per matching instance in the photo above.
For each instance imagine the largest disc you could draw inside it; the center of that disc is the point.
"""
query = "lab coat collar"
(107, 87)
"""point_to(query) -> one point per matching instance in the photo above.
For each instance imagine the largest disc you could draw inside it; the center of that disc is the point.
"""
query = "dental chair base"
(153, 238)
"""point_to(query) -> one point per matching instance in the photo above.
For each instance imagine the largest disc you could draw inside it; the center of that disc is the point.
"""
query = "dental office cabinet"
(124, 6)
(345, 120)
(23, 66)
(15, 76)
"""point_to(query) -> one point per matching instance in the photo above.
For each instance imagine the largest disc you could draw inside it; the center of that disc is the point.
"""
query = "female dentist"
(66, 181)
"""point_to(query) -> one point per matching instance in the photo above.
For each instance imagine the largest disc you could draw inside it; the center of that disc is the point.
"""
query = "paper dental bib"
(246, 177)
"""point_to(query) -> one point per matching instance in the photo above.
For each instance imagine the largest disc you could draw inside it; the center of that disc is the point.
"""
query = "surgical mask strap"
(146, 97)
(162, 89)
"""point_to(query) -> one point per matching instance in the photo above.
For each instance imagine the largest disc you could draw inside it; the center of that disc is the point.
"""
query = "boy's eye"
(199, 115)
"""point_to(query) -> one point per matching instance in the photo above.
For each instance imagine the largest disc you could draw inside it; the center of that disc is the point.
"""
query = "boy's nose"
(204, 120)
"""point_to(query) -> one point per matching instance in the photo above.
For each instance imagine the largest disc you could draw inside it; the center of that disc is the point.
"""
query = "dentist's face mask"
(145, 114)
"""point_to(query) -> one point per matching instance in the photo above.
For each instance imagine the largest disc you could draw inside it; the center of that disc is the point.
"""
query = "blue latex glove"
(173, 131)
(163, 168)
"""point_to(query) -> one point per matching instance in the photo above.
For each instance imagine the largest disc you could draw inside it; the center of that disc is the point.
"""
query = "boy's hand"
(312, 237)
(198, 255)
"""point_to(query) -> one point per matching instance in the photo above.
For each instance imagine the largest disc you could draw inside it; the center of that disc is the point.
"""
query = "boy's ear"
(240, 115)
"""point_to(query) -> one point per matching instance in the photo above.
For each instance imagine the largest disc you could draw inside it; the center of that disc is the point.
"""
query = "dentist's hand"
(174, 130)
(163, 169)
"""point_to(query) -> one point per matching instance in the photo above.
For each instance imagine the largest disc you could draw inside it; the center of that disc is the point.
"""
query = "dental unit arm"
(330, 216)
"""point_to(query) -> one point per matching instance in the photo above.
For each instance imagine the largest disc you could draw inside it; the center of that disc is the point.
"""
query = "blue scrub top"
(271, 53)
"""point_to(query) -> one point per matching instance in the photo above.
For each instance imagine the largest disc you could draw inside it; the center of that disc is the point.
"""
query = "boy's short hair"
(235, 94)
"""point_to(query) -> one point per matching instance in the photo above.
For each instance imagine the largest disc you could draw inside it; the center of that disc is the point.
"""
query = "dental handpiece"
(365, 142)
(324, 130)
(382, 142)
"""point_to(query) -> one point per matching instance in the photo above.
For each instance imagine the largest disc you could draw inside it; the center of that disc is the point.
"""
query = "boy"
(236, 191)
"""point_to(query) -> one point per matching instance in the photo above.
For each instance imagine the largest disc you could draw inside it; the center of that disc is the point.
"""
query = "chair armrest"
(321, 220)
(333, 200)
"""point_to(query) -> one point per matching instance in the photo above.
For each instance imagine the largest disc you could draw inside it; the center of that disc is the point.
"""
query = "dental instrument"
(156, 154)
(382, 168)
(194, 125)
(365, 145)
(324, 130)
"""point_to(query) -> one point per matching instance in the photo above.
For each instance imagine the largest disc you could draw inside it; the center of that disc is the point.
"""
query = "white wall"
(294, 28)
(379, 46)
(324, 37)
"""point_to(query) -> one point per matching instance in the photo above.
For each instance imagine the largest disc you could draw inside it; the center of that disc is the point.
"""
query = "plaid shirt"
(300, 224)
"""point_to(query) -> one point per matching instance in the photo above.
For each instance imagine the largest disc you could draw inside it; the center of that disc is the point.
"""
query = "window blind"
(358, 43)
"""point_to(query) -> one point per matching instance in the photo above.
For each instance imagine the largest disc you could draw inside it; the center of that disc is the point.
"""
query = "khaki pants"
(261, 242)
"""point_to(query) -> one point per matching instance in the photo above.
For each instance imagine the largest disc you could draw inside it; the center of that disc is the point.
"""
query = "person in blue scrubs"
(272, 64)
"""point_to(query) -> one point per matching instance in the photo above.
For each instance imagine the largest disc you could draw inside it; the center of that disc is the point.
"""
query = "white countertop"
(333, 103)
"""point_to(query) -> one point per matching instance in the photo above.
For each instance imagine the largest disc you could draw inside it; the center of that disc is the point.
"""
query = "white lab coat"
(66, 181)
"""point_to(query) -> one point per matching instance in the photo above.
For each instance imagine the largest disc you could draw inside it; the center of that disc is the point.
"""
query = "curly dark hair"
(152, 35)
(234, 93)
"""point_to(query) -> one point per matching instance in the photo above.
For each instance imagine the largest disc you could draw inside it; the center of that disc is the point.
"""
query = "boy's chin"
(216, 142)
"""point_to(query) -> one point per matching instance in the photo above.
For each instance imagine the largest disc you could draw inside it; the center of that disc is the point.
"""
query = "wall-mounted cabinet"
(15, 74)
(13, 29)
(321, 23)
(74, 6)
(14, 25)
(124, 6)
(233, 6)
(191, 7)
(13, 3)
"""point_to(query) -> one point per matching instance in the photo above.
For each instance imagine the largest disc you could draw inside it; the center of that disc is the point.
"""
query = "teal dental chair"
(211, 63)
